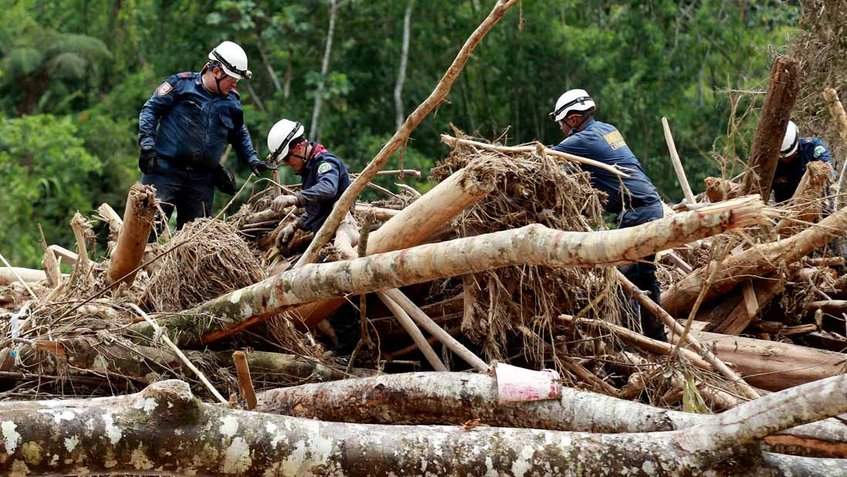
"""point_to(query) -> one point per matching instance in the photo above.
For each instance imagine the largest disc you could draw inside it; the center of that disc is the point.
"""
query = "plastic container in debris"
(516, 384)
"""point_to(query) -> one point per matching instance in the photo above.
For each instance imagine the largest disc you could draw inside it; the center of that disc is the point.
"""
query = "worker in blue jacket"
(325, 177)
(795, 153)
(184, 129)
(636, 203)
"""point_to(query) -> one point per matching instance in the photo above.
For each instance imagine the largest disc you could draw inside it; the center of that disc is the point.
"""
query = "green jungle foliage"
(74, 74)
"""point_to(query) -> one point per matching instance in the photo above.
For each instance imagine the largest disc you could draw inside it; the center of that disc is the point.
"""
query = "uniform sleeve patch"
(819, 150)
(324, 167)
(615, 140)
(164, 88)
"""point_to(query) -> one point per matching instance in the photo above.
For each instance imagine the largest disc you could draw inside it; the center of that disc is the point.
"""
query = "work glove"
(258, 167)
(283, 202)
(287, 234)
(147, 160)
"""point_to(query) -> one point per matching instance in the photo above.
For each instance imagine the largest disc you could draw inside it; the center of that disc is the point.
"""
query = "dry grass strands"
(210, 265)
(521, 303)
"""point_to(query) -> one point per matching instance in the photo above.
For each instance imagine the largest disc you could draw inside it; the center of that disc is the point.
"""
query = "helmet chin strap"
(303, 157)
(218, 85)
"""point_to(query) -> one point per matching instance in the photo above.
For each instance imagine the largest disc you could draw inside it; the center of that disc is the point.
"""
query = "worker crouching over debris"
(634, 199)
(325, 177)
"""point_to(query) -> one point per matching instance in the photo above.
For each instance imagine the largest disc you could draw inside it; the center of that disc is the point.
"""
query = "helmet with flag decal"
(571, 101)
(282, 135)
(232, 60)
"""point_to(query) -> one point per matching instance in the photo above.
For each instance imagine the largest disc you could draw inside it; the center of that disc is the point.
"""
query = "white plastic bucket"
(516, 384)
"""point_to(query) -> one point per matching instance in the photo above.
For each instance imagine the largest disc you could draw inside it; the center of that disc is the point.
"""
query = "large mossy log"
(533, 244)
(164, 430)
(455, 398)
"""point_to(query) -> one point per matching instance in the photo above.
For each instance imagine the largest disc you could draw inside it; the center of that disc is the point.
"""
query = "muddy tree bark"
(764, 153)
(136, 228)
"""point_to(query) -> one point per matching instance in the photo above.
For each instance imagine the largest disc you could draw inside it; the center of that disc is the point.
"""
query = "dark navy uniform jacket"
(788, 174)
(325, 178)
(602, 142)
(194, 125)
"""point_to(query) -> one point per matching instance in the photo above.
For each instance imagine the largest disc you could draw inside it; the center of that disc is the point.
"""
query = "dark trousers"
(643, 274)
(189, 191)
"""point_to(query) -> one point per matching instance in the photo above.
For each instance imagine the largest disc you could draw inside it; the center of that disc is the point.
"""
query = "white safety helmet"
(282, 134)
(232, 59)
(572, 101)
(790, 141)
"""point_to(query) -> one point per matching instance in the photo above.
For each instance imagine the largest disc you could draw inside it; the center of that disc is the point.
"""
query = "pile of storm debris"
(477, 328)
(440, 308)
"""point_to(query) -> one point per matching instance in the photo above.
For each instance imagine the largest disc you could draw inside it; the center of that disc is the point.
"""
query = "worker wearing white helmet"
(795, 153)
(324, 177)
(636, 202)
(184, 129)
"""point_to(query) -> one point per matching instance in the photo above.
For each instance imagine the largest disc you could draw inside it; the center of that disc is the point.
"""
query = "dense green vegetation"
(74, 74)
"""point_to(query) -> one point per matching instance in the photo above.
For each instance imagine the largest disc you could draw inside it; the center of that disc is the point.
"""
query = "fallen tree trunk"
(533, 244)
(764, 153)
(760, 260)
(137, 225)
(407, 228)
(164, 430)
(773, 365)
(455, 398)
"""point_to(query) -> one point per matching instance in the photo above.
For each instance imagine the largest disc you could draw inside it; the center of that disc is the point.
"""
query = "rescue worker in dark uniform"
(184, 129)
(325, 177)
(794, 155)
(636, 203)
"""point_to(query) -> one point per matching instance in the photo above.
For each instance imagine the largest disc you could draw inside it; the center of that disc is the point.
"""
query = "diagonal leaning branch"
(530, 245)
(327, 230)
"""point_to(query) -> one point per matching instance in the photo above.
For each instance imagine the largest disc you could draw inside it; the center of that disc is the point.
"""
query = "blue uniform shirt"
(788, 174)
(602, 142)
(190, 126)
(325, 178)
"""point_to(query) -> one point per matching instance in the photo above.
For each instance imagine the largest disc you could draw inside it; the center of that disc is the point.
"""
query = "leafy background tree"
(74, 74)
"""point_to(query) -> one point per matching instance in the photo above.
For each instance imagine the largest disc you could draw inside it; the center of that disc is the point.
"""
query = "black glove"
(258, 167)
(147, 160)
